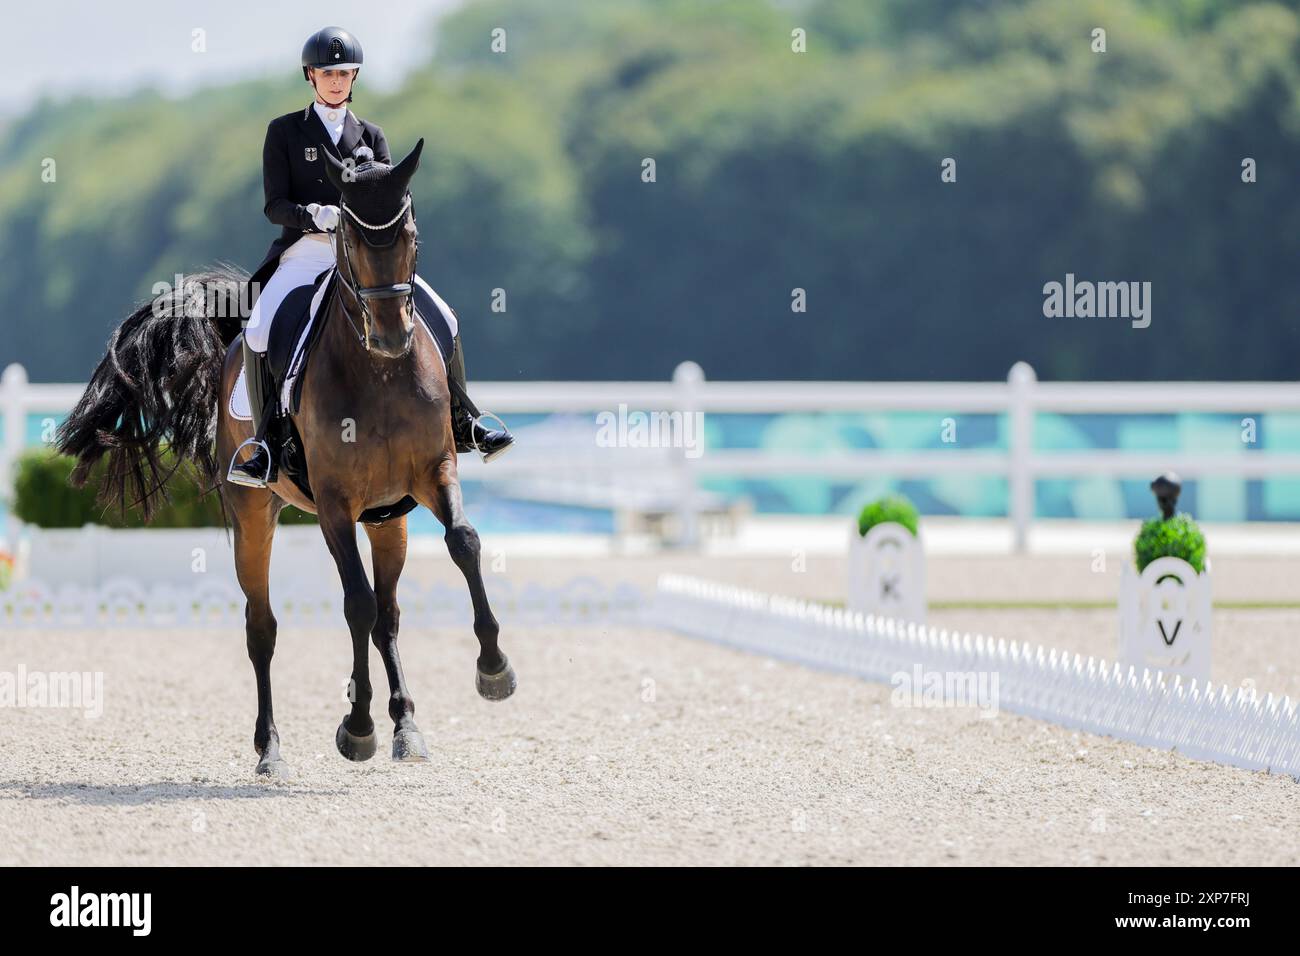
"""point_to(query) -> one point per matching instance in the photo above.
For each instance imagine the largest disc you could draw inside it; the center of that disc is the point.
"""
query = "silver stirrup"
(238, 477)
(500, 451)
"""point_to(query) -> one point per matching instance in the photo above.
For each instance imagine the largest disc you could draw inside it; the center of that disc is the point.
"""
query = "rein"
(363, 294)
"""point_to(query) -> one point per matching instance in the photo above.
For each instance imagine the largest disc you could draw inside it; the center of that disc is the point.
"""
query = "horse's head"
(376, 244)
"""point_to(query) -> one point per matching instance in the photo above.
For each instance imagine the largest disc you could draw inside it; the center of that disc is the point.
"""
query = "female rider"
(301, 199)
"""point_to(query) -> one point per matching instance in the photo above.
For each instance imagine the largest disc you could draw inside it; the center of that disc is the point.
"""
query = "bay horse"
(375, 423)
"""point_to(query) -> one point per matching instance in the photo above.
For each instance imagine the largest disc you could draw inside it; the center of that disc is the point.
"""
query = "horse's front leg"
(356, 734)
(494, 678)
(388, 549)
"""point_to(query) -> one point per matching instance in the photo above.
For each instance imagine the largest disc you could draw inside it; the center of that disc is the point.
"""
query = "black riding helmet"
(331, 48)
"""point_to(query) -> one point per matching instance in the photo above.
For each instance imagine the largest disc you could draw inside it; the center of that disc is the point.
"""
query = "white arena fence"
(1201, 722)
(574, 469)
(1204, 723)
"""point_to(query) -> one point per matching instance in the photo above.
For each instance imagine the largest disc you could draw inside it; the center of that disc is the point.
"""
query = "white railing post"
(688, 379)
(1020, 416)
(13, 416)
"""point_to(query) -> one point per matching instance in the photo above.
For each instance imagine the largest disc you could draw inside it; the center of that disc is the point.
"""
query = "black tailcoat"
(293, 174)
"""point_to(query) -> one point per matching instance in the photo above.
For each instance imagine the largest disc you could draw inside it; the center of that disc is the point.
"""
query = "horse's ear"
(333, 169)
(404, 170)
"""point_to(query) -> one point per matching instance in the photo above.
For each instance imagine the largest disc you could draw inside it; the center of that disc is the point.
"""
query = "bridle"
(363, 294)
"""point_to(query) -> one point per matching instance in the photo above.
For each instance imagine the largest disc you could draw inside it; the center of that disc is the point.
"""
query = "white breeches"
(300, 264)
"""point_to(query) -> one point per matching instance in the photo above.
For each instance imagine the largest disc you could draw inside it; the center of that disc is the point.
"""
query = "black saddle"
(290, 320)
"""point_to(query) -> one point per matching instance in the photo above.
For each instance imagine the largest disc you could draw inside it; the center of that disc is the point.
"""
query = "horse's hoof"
(275, 769)
(353, 747)
(409, 747)
(496, 686)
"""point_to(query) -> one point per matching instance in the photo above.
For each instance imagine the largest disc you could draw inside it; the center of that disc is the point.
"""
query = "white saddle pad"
(239, 407)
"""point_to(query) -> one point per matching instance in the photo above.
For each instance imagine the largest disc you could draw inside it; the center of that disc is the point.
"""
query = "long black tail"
(159, 384)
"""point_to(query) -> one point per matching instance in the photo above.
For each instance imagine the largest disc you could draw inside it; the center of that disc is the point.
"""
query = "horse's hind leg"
(388, 551)
(254, 513)
(495, 678)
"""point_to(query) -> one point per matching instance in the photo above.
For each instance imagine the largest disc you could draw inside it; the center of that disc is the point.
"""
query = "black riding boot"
(469, 432)
(260, 470)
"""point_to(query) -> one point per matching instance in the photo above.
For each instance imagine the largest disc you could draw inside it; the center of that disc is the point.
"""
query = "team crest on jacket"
(310, 153)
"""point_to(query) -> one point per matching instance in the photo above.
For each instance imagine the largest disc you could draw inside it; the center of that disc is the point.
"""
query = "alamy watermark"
(67, 689)
(637, 429)
(215, 298)
(130, 910)
(921, 688)
(1100, 300)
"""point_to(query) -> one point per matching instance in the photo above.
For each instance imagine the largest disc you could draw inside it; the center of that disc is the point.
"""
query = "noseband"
(363, 294)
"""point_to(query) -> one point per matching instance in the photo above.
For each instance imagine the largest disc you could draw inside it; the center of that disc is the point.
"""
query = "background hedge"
(43, 497)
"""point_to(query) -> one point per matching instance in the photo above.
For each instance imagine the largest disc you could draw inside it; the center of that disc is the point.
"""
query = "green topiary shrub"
(896, 508)
(43, 497)
(1176, 537)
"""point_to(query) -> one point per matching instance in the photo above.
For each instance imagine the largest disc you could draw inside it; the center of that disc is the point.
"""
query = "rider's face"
(332, 85)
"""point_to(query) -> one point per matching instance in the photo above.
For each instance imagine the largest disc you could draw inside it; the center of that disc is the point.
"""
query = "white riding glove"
(326, 218)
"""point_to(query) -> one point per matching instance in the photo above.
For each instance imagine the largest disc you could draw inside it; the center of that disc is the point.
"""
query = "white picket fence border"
(1203, 722)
